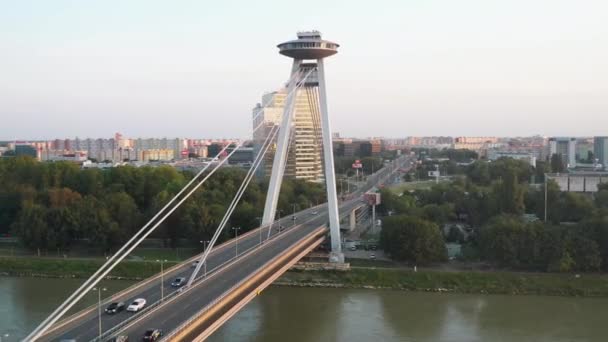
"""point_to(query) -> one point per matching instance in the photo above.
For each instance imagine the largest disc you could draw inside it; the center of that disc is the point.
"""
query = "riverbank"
(470, 282)
(511, 283)
(76, 268)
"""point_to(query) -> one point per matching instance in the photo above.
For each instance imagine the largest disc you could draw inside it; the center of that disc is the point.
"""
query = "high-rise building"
(600, 150)
(566, 148)
(304, 160)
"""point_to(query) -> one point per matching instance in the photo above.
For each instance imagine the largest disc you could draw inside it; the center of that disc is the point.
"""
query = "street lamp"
(279, 213)
(236, 240)
(260, 228)
(162, 279)
(99, 289)
(205, 243)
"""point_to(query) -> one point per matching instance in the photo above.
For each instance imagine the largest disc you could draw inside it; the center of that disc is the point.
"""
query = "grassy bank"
(591, 285)
(76, 268)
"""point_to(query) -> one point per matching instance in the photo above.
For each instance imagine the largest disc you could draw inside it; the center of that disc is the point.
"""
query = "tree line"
(54, 206)
(505, 214)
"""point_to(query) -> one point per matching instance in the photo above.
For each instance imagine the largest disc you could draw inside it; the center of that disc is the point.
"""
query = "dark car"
(178, 282)
(153, 335)
(115, 307)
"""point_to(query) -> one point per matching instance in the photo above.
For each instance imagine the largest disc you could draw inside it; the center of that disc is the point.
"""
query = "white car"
(137, 305)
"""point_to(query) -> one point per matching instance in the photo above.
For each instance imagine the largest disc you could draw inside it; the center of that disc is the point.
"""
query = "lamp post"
(545, 176)
(205, 244)
(260, 228)
(162, 279)
(99, 289)
(279, 213)
(236, 240)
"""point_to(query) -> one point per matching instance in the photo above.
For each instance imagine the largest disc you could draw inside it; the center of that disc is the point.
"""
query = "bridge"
(229, 284)
(224, 278)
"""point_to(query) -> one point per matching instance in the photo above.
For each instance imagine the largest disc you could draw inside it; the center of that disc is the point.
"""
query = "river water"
(317, 314)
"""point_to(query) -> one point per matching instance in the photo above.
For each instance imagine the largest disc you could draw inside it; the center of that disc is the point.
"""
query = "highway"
(220, 277)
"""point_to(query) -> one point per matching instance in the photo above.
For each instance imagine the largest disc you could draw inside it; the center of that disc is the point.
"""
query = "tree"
(455, 235)
(509, 194)
(412, 239)
(601, 199)
(574, 207)
(31, 227)
(557, 164)
(122, 209)
(479, 173)
(508, 241)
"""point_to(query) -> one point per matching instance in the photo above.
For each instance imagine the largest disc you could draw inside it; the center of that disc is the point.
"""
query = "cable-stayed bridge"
(224, 278)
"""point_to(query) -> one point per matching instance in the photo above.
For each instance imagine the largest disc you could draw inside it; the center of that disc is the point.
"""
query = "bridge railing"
(221, 297)
(108, 333)
(149, 308)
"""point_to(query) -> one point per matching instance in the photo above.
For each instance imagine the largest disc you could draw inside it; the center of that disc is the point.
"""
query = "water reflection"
(25, 302)
(297, 314)
(305, 314)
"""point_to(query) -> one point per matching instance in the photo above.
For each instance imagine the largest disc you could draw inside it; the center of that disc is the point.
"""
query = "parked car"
(137, 305)
(353, 248)
(178, 282)
(373, 247)
(372, 256)
(153, 334)
(115, 307)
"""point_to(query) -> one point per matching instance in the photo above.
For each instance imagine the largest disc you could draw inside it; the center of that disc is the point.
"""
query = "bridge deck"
(223, 273)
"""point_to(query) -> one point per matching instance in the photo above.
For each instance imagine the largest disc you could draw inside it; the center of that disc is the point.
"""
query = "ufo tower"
(307, 74)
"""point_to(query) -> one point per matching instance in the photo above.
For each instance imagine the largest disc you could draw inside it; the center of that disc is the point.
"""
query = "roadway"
(220, 277)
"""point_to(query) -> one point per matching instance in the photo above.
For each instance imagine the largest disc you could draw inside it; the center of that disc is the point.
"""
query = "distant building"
(243, 155)
(305, 151)
(370, 148)
(579, 181)
(25, 149)
(530, 158)
(566, 148)
(155, 154)
(477, 144)
(600, 150)
(584, 146)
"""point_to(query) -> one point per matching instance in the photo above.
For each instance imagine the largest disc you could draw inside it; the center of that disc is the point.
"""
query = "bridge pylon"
(308, 53)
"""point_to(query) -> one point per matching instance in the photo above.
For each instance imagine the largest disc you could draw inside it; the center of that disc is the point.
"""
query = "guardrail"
(172, 269)
(226, 293)
(150, 308)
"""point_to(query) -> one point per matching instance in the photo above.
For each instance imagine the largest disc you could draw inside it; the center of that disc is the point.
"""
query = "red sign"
(357, 164)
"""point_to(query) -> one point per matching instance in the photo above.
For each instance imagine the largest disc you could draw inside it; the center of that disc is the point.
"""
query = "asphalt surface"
(220, 277)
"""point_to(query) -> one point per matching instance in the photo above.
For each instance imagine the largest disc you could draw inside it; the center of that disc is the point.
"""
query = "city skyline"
(479, 68)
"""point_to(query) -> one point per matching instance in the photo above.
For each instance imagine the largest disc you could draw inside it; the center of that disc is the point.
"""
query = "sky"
(404, 68)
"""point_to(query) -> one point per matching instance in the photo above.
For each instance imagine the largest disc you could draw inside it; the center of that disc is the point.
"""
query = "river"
(318, 314)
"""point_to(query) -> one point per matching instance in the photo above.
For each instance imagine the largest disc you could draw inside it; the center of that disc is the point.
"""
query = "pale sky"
(405, 67)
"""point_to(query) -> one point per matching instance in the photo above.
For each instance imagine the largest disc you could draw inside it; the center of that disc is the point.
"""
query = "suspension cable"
(94, 278)
(233, 204)
(240, 192)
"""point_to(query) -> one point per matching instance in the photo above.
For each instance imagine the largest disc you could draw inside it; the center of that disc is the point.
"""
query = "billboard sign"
(372, 198)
